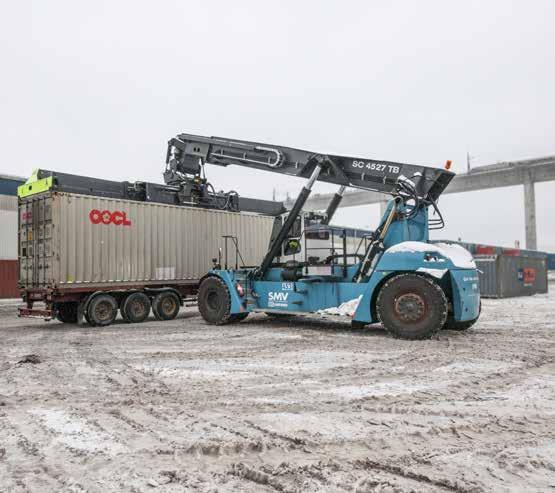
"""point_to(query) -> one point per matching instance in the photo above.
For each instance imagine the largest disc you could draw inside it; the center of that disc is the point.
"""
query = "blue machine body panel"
(313, 293)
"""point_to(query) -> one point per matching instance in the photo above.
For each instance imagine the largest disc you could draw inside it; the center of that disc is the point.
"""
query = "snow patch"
(459, 256)
(438, 273)
(348, 308)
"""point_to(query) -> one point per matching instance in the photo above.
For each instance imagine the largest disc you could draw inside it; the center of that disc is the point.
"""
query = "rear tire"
(165, 306)
(452, 324)
(412, 307)
(136, 308)
(214, 301)
(102, 310)
(67, 312)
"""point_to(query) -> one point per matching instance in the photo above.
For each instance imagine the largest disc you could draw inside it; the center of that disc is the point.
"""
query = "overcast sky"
(97, 88)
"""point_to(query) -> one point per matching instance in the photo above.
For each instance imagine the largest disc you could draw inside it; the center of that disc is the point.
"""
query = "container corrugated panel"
(70, 240)
(8, 235)
(487, 270)
(8, 203)
(505, 276)
(8, 279)
(522, 276)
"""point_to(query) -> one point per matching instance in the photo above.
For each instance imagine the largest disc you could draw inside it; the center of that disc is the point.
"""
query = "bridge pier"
(530, 213)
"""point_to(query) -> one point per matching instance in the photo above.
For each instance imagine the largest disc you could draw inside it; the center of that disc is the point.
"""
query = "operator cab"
(313, 248)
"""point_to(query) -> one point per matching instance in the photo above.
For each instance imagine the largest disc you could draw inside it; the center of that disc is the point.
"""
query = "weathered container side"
(69, 241)
(504, 276)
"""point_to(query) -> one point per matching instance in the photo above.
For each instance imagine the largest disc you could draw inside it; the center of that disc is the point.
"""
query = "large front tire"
(214, 301)
(411, 306)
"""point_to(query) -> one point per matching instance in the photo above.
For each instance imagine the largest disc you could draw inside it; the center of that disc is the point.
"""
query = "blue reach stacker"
(414, 288)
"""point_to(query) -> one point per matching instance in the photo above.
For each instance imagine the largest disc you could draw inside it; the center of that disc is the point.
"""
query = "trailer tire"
(214, 301)
(411, 306)
(165, 306)
(67, 312)
(136, 308)
(102, 310)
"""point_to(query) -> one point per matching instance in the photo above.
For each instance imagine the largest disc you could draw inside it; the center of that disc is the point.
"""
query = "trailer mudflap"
(43, 313)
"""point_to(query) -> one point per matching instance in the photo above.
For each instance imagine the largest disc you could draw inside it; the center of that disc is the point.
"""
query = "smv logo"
(277, 299)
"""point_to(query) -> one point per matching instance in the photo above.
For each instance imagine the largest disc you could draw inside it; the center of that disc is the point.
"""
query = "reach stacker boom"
(414, 288)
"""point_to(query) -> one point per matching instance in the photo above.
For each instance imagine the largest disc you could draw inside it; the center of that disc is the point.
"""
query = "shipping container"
(73, 242)
(482, 249)
(505, 276)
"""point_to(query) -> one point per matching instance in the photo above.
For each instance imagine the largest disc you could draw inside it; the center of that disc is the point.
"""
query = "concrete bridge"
(504, 174)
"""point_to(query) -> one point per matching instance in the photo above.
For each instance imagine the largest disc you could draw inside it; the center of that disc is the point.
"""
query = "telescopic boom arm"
(188, 153)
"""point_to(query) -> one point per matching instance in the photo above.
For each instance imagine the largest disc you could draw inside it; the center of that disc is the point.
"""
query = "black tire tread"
(94, 302)
(225, 318)
(436, 289)
(125, 306)
(157, 301)
(451, 324)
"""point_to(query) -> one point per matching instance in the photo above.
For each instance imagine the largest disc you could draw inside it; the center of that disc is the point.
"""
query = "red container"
(8, 279)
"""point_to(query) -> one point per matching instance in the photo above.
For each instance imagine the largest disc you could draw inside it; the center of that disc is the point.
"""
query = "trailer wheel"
(165, 306)
(102, 310)
(411, 306)
(214, 301)
(67, 312)
(122, 311)
(136, 308)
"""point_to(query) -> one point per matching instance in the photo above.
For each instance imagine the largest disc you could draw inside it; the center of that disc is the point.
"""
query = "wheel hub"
(103, 311)
(138, 307)
(168, 305)
(410, 307)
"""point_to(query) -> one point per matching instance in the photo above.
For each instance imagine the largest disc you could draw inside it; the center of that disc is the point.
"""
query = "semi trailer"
(414, 288)
(89, 248)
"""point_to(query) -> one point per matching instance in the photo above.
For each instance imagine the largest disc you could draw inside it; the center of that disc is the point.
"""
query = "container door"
(43, 236)
(26, 253)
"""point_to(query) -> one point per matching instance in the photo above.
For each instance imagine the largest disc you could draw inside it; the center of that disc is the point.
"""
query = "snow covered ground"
(306, 404)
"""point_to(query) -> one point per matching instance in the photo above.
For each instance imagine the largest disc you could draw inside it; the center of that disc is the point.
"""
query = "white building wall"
(8, 227)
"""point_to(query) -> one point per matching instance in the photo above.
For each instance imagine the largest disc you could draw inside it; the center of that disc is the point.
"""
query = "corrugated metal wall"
(505, 276)
(70, 239)
(8, 235)
(8, 239)
(8, 279)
